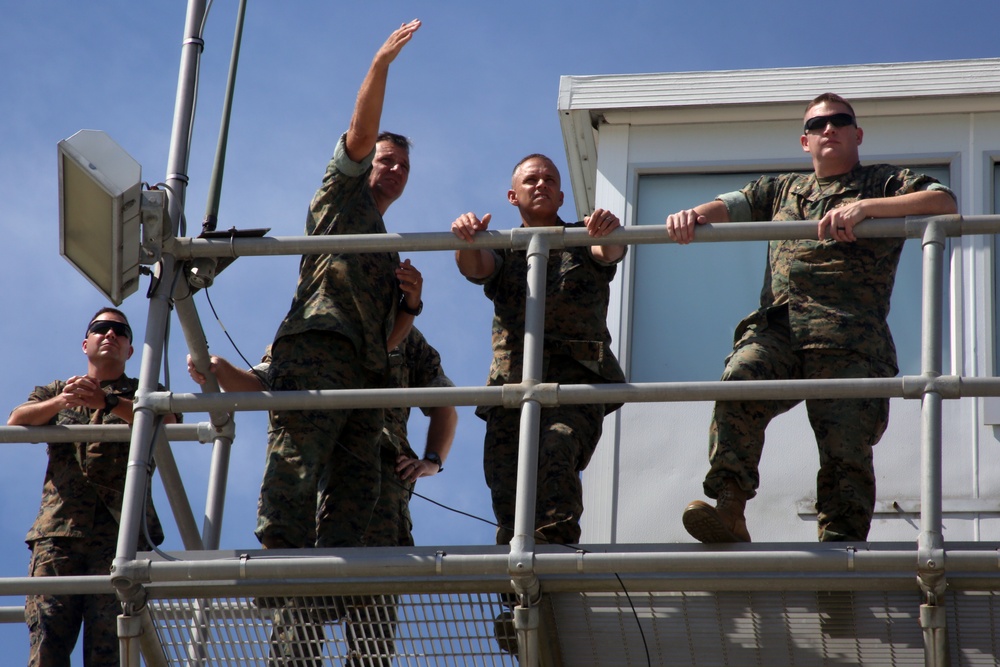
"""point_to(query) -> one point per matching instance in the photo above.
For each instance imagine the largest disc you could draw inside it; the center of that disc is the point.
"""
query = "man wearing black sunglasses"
(76, 530)
(822, 314)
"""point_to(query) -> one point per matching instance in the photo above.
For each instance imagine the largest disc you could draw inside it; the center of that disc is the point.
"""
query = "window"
(688, 300)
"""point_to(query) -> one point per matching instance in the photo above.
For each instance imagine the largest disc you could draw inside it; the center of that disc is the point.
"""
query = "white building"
(652, 144)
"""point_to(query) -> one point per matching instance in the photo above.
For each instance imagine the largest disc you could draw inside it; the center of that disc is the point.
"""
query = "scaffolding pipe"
(198, 432)
(189, 248)
(522, 546)
(512, 395)
(425, 564)
(930, 541)
(146, 422)
(222, 419)
(173, 485)
(422, 568)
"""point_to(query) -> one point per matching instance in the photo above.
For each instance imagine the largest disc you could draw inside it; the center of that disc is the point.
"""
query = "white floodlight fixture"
(100, 212)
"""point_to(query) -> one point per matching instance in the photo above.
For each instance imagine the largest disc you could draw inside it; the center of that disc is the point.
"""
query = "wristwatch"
(111, 401)
(434, 458)
(411, 311)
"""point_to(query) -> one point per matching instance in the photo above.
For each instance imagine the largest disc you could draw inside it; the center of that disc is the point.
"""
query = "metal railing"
(524, 565)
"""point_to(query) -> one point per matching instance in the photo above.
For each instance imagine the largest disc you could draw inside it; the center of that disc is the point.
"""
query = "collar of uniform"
(120, 383)
(814, 189)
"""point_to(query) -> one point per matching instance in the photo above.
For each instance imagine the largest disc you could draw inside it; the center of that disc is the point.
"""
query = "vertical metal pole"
(522, 546)
(930, 542)
(176, 495)
(144, 421)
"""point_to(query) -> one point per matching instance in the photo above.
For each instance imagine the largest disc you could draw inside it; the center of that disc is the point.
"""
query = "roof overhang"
(587, 102)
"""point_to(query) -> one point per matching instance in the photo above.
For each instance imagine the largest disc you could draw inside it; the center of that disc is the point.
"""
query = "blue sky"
(475, 90)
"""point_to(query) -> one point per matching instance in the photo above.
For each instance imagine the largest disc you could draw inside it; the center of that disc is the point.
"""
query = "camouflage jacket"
(414, 363)
(837, 294)
(576, 308)
(82, 476)
(352, 294)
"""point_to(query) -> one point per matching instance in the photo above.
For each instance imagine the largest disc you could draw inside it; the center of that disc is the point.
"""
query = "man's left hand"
(839, 223)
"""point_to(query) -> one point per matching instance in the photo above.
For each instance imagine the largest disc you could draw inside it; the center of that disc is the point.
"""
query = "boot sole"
(703, 524)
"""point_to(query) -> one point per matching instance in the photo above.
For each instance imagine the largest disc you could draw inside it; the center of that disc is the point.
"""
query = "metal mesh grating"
(769, 628)
(696, 629)
(361, 631)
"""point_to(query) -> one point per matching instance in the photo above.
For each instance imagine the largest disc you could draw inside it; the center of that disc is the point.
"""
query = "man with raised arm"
(577, 350)
(822, 314)
(76, 530)
(321, 477)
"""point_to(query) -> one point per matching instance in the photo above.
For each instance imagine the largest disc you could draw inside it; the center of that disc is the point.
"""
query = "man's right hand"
(396, 41)
(82, 391)
(467, 225)
(680, 225)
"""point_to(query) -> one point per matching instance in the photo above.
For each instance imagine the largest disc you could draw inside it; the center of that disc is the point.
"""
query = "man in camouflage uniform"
(76, 530)
(822, 315)
(321, 477)
(414, 363)
(576, 350)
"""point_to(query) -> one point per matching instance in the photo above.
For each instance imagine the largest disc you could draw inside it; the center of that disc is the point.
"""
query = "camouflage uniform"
(76, 533)
(576, 351)
(321, 471)
(414, 363)
(369, 627)
(823, 314)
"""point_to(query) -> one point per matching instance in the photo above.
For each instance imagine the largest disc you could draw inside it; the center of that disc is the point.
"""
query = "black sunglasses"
(101, 327)
(837, 120)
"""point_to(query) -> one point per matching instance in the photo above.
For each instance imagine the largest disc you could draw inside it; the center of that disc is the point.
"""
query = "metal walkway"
(758, 612)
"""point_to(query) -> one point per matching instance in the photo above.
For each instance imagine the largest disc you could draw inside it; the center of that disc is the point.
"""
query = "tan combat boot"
(722, 523)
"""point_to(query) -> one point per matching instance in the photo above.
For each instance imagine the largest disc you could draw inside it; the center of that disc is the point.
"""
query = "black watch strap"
(434, 458)
(411, 311)
(111, 401)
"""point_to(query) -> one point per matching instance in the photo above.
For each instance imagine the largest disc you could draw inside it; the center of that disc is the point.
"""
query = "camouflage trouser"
(568, 436)
(845, 429)
(391, 524)
(54, 620)
(321, 478)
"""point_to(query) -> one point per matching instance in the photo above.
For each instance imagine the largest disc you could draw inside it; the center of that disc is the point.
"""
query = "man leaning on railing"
(822, 315)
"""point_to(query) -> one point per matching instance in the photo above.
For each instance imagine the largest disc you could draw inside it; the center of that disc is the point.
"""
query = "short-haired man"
(576, 350)
(76, 530)
(321, 476)
(822, 315)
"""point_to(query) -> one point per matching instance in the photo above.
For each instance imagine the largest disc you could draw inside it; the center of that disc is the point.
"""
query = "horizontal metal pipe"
(200, 432)
(326, 399)
(12, 614)
(56, 585)
(187, 248)
(554, 394)
(394, 570)
(911, 386)
(389, 563)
